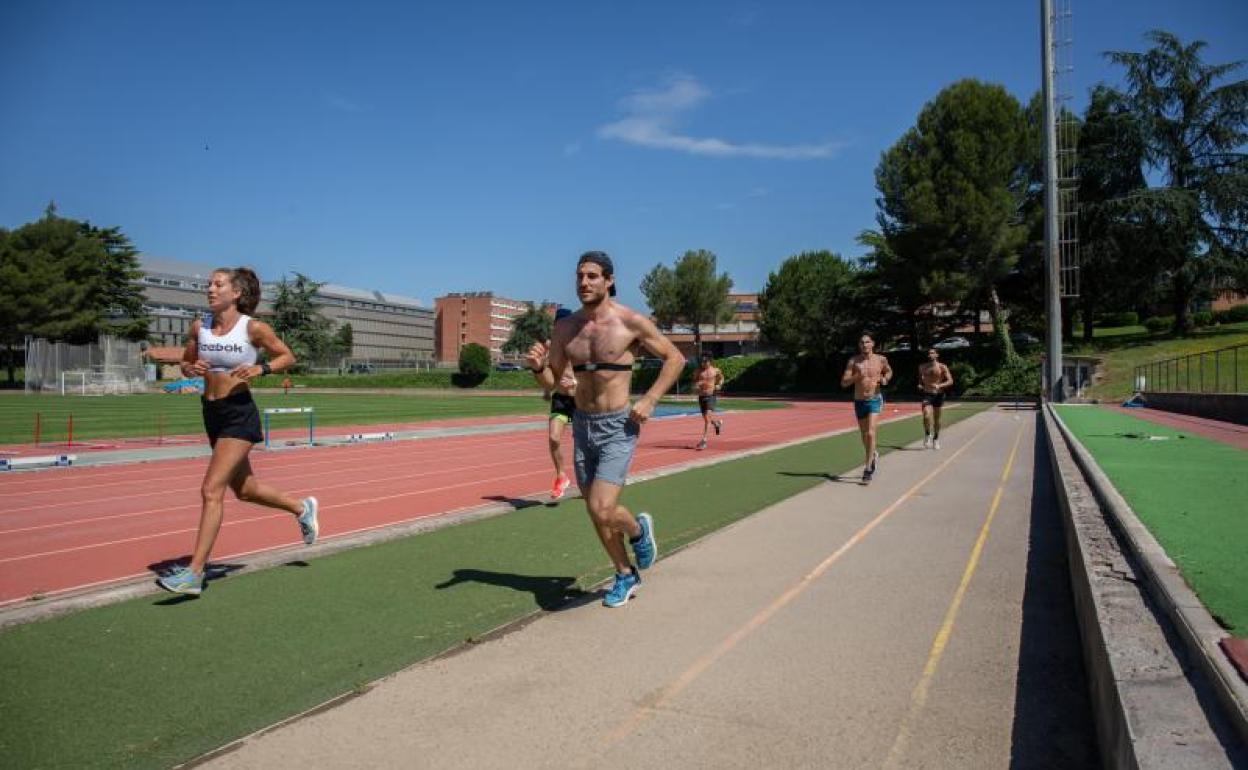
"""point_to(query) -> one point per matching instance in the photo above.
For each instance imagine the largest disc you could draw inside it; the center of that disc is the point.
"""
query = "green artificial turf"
(1189, 491)
(159, 680)
(151, 414)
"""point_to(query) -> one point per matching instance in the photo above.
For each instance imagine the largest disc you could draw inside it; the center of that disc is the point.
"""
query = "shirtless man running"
(597, 341)
(708, 381)
(935, 379)
(867, 373)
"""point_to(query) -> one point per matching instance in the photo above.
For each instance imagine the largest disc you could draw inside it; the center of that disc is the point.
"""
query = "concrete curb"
(1200, 633)
(1151, 709)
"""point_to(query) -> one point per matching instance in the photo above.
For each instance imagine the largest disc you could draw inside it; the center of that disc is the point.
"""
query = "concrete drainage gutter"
(1163, 693)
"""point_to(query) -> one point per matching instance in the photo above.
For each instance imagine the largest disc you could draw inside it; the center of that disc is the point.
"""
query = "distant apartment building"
(477, 316)
(740, 336)
(386, 327)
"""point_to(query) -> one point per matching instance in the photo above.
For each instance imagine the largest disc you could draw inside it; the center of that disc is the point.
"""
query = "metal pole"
(1052, 259)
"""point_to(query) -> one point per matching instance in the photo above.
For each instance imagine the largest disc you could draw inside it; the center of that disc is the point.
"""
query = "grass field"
(1128, 347)
(1189, 492)
(156, 681)
(152, 414)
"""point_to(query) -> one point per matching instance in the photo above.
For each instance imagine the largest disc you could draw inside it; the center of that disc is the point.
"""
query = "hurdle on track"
(45, 461)
(308, 410)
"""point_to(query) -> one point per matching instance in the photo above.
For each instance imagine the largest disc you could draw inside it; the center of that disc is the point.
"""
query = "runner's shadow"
(211, 572)
(551, 593)
(896, 448)
(518, 503)
(837, 477)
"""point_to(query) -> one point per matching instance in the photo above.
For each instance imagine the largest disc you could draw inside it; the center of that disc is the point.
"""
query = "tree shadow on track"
(550, 593)
(1053, 722)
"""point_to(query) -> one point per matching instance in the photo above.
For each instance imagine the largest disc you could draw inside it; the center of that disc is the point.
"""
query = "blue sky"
(422, 148)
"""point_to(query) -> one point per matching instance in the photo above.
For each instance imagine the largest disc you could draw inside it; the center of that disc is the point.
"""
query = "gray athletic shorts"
(603, 446)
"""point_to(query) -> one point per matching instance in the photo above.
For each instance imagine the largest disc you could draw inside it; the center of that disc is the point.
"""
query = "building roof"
(174, 267)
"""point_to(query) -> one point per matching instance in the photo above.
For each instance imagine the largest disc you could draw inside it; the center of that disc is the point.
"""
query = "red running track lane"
(1225, 432)
(68, 529)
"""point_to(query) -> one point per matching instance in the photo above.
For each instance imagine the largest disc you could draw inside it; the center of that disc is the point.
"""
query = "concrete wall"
(1229, 407)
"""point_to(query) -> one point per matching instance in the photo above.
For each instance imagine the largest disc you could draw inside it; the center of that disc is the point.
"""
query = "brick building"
(476, 316)
(737, 337)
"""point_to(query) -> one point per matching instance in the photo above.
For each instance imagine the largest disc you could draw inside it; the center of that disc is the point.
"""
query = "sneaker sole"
(654, 543)
(189, 591)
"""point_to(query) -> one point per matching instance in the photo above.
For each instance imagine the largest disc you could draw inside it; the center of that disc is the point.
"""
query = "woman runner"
(223, 351)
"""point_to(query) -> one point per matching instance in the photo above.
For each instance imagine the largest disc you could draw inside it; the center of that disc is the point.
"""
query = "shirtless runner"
(867, 373)
(597, 341)
(935, 379)
(708, 381)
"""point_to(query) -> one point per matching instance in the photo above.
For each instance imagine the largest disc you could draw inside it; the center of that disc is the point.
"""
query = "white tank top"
(229, 350)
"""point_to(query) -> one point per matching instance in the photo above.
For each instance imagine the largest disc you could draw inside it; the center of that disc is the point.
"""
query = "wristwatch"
(265, 368)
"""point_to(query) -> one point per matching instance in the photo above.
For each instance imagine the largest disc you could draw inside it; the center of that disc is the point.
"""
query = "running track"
(68, 529)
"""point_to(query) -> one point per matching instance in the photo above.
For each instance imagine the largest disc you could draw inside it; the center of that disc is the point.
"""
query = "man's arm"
(719, 380)
(536, 360)
(850, 374)
(886, 371)
(661, 347)
(947, 381)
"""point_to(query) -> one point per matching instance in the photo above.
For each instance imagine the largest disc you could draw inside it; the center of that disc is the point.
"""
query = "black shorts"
(234, 416)
(708, 403)
(562, 406)
(936, 400)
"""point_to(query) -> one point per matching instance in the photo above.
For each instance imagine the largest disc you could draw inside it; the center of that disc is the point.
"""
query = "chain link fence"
(109, 366)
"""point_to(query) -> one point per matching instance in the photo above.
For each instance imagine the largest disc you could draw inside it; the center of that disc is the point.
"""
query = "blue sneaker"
(622, 589)
(182, 581)
(308, 525)
(644, 546)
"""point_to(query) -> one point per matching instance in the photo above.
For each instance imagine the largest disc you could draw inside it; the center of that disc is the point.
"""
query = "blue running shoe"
(622, 589)
(182, 581)
(644, 546)
(308, 525)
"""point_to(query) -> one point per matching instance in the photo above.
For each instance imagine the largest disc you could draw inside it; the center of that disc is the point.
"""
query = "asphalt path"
(924, 620)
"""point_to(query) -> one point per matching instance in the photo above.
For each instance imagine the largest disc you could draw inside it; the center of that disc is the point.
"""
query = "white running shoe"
(309, 527)
(927, 441)
(936, 444)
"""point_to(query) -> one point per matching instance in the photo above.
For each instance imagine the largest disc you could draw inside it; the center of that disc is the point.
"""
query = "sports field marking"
(918, 698)
(681, 683)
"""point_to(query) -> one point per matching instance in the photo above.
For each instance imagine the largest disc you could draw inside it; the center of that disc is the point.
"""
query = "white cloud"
(651, 118)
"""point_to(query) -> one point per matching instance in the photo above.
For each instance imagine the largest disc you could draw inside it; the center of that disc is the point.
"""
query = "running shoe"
(875, 459)
(561, 485)
(701, 445)
(936, 444)
(182, 581)
(718, 426)
(927, 441)
(622, 589)
(308, 524)
(866, 475)
(644, 546)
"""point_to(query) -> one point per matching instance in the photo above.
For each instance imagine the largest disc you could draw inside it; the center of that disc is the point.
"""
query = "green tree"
(67, 280)
(533, 325)
(343, 341)
(690, 293)
(474, 365)
(1113, 258)
(1194, 128)
(810, 306)
(298, 323)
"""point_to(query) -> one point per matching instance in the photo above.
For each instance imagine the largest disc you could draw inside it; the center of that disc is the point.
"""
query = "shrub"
(1232, 314)
(1202, 318)
(1157, 323)
(1019, 378)
(1126, 318)
(474, 365)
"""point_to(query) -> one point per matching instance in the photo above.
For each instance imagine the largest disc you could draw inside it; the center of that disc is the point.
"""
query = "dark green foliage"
(299, 324)
(1125, 318)
(811, 306)
(533, 325)
(1231, 314)
(690, 293)
(474, 365)
(1202, 318)
(70, 281)
(1157, 324)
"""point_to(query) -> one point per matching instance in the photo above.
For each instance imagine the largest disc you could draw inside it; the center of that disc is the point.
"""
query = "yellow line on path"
(682, 682)
(918, 698)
